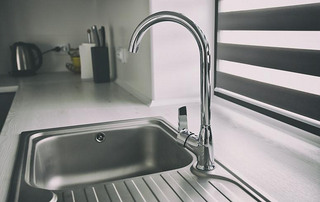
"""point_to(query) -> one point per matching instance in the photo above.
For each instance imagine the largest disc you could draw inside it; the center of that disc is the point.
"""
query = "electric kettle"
(26, 59)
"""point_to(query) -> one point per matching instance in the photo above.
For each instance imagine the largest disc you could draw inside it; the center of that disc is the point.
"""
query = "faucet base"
(207, 167)
(201, 145)
(205, 150)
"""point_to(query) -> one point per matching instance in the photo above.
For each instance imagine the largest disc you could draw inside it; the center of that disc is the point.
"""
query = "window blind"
(267, 58)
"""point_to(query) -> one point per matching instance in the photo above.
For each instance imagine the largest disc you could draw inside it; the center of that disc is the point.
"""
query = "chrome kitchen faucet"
(201, 144)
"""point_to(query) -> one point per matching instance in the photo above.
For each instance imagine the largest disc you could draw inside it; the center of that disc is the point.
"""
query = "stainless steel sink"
(62, 159)
(131, 160)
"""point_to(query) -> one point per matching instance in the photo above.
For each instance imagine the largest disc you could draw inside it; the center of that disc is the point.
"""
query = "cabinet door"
(5, 103)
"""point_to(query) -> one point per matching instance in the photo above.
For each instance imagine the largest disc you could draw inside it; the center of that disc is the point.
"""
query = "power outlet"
(122, 55)
(65, 48)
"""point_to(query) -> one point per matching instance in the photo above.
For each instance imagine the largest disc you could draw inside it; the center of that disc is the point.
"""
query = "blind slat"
(309, 84)
(301, 17)
(295, 101)
(282, 39)
(292, 60)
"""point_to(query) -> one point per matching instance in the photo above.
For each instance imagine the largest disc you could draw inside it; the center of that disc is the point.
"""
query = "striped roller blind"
(267, 58)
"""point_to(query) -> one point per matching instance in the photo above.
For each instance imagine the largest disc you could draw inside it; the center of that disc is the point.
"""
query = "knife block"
(100, 64)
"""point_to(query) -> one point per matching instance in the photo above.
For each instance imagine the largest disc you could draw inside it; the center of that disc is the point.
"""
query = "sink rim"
(166, 133)
(37, 135)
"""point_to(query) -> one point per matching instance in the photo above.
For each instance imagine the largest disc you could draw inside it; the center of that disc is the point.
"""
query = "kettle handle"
(38, 55)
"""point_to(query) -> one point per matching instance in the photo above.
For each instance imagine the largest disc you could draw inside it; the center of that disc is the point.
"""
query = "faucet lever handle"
(183, 119)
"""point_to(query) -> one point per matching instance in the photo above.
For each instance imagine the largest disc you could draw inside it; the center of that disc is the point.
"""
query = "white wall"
(135, 75)
(175, 54)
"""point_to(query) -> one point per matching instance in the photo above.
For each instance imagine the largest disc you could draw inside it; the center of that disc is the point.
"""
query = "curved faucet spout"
(205, 136)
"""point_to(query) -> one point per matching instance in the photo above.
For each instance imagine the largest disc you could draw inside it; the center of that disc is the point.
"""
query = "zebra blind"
(268, 58)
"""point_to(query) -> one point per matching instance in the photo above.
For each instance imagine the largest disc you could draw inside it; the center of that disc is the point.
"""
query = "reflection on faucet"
(200, 144)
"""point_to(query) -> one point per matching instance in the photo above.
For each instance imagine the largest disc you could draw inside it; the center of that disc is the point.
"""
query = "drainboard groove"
(179, 191)
(113, 192)
(86, 194)
(219, 191)
(72, 194)
(141, 191)
(91, 194)
(119, 192)
(147, 191)
(186, 186)
(153, 190)
(79, 195)
(125, 184)
(68, 196)
(108, 198)
(197, 187)
(95, 194)
(161, 189)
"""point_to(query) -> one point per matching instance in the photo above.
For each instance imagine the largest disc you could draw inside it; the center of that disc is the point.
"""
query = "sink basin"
(62, 159)
(131, 160)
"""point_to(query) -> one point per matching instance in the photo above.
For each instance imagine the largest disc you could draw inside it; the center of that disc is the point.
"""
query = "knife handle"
(95, 34)
(103, 36)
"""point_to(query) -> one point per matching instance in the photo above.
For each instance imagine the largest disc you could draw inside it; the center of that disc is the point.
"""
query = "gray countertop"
(281, 161)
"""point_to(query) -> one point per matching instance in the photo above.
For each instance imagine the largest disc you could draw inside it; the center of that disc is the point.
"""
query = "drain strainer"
(100, 137)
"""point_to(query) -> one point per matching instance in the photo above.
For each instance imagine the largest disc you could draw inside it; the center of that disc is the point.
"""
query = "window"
(267, 58)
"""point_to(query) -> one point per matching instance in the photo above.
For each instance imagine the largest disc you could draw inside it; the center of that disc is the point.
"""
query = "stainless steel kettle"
(26, 58)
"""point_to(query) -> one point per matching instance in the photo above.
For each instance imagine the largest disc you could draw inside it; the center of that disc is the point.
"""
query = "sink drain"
(100, 137)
